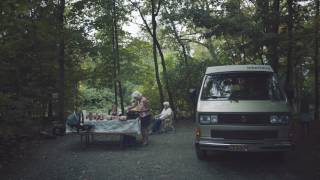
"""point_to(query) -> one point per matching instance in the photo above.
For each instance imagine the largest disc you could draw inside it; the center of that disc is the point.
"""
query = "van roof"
(237, 68)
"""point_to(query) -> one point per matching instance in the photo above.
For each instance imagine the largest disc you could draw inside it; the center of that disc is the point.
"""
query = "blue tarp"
(131, 126)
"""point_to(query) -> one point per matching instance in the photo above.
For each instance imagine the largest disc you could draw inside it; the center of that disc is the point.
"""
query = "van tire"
(201, 154)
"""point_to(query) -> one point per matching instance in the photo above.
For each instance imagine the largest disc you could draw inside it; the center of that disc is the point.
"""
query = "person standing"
(144, 114)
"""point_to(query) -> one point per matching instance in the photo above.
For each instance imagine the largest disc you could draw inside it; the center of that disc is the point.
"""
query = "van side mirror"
(193, 95)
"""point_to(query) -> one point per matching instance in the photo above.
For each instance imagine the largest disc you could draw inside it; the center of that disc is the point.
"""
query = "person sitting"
(90, 116)
(114, 110)
(114, 114)
(163, 121)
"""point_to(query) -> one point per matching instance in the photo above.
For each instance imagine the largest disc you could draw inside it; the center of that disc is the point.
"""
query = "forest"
(60, 56)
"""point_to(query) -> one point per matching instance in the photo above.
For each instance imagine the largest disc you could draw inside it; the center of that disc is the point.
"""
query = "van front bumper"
(241, 146)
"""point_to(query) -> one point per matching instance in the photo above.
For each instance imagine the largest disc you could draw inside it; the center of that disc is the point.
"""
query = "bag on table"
(73, 120)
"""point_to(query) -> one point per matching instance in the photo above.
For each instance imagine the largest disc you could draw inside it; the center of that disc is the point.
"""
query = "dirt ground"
(168, 156)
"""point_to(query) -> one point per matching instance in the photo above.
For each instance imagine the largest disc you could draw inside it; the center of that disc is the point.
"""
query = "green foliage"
(193, 34)
(29, 63)
(93, 99)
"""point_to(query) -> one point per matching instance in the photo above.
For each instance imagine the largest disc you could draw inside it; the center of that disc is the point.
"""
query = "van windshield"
(241, 86)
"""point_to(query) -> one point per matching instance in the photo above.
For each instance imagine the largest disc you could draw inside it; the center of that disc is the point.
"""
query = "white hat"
(166, 103)
(136, 94)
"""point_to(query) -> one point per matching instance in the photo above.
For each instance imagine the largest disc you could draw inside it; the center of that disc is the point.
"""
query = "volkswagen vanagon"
(242, 108)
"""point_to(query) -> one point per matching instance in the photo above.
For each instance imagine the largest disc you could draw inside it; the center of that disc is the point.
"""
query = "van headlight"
(279, 119)
(208, 119)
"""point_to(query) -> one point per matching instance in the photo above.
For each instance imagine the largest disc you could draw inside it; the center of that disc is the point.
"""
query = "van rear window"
(241, 86)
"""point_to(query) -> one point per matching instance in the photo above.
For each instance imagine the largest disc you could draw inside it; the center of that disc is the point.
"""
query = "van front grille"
(249, 119)
(248, 135)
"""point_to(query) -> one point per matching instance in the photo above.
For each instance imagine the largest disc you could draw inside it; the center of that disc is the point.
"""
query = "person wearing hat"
(164, 119)
(143, 108)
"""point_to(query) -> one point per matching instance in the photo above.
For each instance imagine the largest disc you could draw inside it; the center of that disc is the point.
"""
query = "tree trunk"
(121, 96)
(114, 73)
(50, 114)
(316, 63)
(61, 60)
(154, 47)
(117, 56)
(166, 80)
(212, 50)
(243, 50)
(178, 39)
(114, 56)
(171, 101)
(164, 68)
(290, 67)
(274, 28)
(262, 13)
(299, 86)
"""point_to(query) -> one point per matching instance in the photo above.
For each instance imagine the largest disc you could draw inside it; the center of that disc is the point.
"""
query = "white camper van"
(242, 108)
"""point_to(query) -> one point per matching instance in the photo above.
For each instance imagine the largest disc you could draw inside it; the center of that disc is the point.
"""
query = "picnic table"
(106, 127)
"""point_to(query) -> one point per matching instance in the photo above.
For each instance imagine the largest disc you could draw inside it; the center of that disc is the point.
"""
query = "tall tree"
(154, 46)
(176, 35)
(154, 13)
(61, 60)
(114, 69)
(290, 66)
(117, 56)
(316, 61)
(274, 29)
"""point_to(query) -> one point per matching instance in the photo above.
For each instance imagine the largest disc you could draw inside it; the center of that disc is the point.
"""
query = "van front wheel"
(201, 154)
